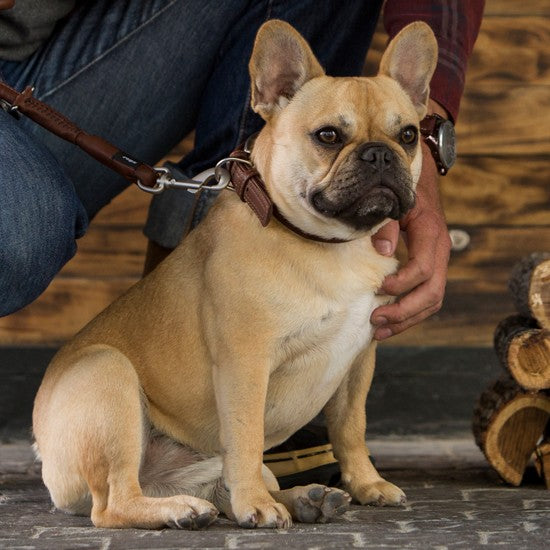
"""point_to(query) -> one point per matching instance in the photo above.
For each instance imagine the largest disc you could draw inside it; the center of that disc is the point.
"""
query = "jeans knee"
(40, 217)
(30, 257)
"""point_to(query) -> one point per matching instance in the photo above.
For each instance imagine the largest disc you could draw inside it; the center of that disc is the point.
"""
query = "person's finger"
(386, 238)
(423, 257)
(412, 308)
(391, 329)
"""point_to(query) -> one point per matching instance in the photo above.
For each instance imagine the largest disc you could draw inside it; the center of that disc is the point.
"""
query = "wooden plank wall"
(499, 193)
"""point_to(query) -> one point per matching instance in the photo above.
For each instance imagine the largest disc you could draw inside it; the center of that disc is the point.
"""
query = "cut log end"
(524, 352)
(508, 424)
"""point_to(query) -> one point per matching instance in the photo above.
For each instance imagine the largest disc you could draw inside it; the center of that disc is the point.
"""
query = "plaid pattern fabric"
(455, 24)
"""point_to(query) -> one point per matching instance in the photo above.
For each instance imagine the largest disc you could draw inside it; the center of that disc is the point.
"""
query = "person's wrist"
(438, 132)
(435, 108)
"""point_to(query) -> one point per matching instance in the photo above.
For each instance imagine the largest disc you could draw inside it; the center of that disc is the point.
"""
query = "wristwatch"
(439, 136)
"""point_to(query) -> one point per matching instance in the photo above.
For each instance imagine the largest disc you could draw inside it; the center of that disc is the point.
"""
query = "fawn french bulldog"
(158, 412)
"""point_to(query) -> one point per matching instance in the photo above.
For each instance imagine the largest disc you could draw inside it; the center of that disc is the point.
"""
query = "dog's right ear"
(281, 63)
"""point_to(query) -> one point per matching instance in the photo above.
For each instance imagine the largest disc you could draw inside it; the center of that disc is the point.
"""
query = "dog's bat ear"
(411, 58)
(281, 63)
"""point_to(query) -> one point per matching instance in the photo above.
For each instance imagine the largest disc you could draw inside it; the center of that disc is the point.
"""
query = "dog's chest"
(315, 357)
(342, 339)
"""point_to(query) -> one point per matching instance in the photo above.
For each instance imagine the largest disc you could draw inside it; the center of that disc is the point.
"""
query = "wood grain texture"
(66, 306)
(511, 51)
(107, 252)
(507, 120)
(516, 7)
(497, 191)
(513, 434)
(129, 209)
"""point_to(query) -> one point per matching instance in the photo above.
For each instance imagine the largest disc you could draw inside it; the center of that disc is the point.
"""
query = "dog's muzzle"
(371, 186)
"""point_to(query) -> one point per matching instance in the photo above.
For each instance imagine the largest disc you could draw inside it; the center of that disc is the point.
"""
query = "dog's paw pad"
(306, 511)
(194, 521)
(320, 504)
(180, 523)
(204, 520)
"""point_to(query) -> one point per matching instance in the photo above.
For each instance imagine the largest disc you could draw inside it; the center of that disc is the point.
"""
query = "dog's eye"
(328, 136)
(409, 135)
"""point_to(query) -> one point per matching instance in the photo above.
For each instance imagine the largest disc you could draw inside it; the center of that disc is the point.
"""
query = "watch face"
(447, 144)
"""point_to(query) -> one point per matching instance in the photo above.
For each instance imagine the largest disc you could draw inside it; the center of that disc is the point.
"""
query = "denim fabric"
(142, 74)
(40, 216)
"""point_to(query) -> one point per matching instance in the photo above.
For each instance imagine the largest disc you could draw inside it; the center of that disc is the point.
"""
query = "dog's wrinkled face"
(340, 156)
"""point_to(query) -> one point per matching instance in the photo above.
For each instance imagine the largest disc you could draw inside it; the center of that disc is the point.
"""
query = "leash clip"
(12, 110)
(211, 179)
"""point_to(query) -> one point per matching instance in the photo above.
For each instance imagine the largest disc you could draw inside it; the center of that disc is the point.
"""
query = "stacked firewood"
(512, 417)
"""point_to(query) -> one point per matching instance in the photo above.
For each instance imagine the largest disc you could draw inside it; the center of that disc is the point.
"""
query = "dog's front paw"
(380, 493)
(192, 513)
(260, 512)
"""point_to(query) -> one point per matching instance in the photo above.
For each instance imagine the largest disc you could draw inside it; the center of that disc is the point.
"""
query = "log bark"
(524, 351)
(508, 423)
(530, 287)
(542, 461)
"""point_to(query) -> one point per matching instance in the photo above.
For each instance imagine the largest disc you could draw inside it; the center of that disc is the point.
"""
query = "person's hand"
(421, 281)
(6, 4)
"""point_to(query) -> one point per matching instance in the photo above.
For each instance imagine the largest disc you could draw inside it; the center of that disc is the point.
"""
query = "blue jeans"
(142, 74)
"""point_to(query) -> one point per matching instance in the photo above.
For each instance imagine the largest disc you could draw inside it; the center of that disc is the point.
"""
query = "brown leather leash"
(130, 168)
(241, 176)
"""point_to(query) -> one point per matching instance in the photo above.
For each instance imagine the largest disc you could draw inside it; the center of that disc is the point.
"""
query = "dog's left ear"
(281, 63)
(410, 58)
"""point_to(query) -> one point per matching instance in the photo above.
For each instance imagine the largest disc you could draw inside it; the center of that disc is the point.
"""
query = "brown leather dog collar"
(250, 188)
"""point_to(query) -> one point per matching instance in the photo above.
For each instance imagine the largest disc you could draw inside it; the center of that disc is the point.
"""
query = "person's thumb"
(385, 239)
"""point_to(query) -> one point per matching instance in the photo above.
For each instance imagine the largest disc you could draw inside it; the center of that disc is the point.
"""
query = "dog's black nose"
(378, 156)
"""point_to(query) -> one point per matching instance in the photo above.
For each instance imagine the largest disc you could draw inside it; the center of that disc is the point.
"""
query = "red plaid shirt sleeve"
(455, 24)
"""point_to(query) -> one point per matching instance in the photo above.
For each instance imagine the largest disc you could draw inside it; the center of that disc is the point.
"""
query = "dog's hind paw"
(194, 521)
(319, 504)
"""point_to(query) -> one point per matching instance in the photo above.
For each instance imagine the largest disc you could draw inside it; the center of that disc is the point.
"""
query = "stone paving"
(454, 501)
